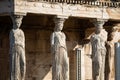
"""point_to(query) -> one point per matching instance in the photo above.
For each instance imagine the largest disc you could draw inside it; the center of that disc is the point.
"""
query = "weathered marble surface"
(60, 67)
(110, 57)
(17, 50)
(98, 40)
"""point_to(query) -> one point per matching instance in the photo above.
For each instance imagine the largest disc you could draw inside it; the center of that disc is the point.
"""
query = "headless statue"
(17, 50)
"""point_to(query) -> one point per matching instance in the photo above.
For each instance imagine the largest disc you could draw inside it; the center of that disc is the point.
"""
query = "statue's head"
(116, 27)
(59, 22)
(98, 30)
(99, 26)
(17, 20)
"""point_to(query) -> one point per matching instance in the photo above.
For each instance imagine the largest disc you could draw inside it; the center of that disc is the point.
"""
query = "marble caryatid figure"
(17, 50)
(98, 40)
(59, 52)
(113, 38)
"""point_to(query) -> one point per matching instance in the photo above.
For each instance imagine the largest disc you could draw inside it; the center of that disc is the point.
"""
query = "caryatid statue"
(60, 63)
(113, 38)
(98, 40)
(17, 50)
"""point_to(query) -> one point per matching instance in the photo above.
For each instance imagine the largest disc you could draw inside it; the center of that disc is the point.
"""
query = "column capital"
(98, 22)
(60, 19)
(116, 27)
(62, 16)
(18, 13)
(17, 20)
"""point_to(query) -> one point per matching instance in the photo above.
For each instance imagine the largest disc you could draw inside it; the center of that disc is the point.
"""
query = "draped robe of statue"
(98, 54)
(60, 57)
(17, 52)
(110, 71)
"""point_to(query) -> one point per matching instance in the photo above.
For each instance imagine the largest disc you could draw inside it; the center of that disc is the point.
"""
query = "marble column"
(80, 75)
(117, 61)
(98, 40)
(60, 60)
(17, 50)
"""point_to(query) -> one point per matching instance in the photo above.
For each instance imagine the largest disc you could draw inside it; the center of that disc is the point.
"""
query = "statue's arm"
(104, 36)
(23, 39)
(52, 42)
(92, 39)
(119, 36)
(11, 38)
(12, 41)
(93, 43)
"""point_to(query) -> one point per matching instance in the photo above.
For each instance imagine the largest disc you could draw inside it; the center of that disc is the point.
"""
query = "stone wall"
(4, 57)
(37, 29)
(38, 54)
(37, 43)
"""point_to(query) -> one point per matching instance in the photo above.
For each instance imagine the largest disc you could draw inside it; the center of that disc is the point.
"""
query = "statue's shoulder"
(20, 30)
(12, 31)
(104, 32)
(63, 33)
(93, 35)
(53, 34)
